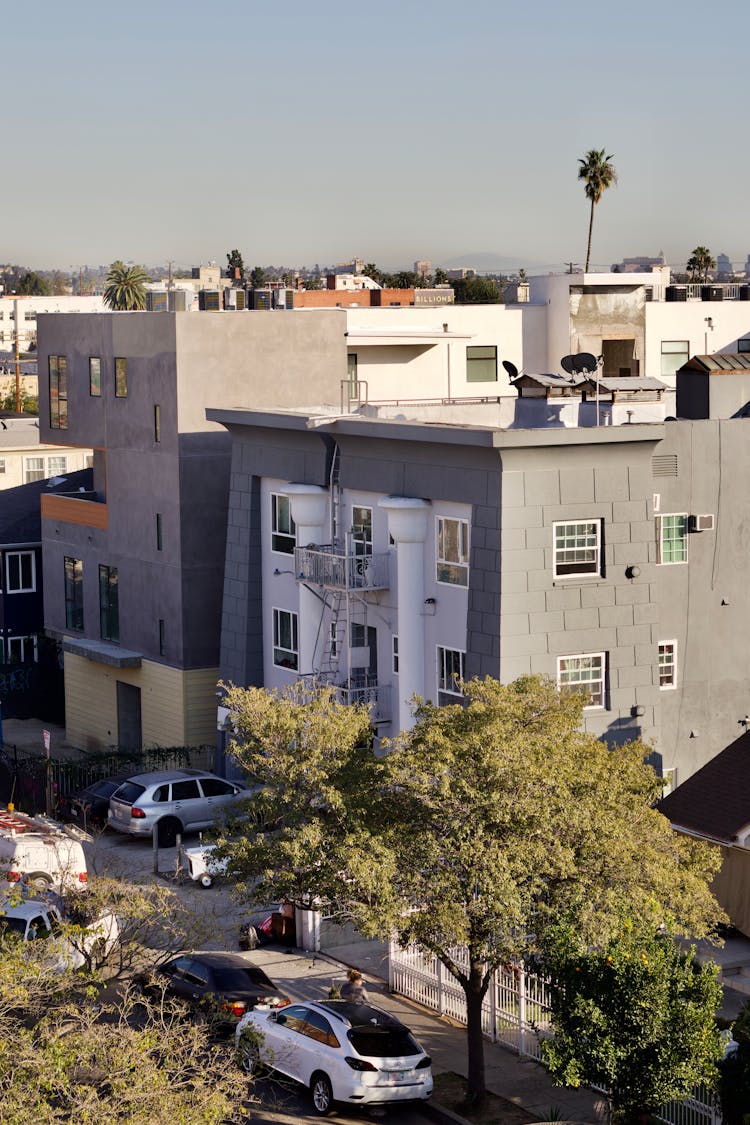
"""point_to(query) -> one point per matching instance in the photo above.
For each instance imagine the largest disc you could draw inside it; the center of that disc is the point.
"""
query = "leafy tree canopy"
(32, 285)
(125, 287)
(257, 277)
(477, 290)
(234, 262)
(486, 826)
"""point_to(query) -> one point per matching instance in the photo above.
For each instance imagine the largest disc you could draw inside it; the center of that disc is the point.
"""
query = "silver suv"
(171, 802)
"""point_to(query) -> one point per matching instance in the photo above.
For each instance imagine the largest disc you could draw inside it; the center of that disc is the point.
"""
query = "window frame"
(743, 345)
(660, 518)
(480, 363)
(394, 653)
(579, 685)
(683, 351)
(109, 612)
(362, 547)
(95, 380)
(159, 532)
(24, 639)
(73, 593)
(21, 589)
(460, 565)
(290, 661)
(121, 377)
(597, 571)
(162, 637)
(59, 472)
(443, 676)
(670, 685)
(27, 471)
(57, 375)
(276, 534)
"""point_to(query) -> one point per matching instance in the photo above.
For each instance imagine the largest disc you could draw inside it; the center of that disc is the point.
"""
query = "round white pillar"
(309, 508)
(407, 523)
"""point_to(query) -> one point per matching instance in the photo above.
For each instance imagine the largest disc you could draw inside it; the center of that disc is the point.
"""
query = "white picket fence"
(516, 1012)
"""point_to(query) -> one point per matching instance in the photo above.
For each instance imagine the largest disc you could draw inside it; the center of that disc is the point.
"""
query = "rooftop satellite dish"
(583, 363)
(510, 368)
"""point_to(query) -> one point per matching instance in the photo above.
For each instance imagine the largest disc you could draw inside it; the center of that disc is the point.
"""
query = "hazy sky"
(305, 132)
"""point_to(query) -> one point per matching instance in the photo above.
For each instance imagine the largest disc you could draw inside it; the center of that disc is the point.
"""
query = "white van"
(37, 853)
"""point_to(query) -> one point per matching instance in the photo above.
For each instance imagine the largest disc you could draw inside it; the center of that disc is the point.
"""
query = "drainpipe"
(407, 523)
(309, 507)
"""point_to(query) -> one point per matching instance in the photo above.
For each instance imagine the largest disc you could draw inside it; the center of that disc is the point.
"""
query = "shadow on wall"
(623, 730)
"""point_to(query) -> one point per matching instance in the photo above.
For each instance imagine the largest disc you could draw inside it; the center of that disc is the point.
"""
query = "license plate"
(396, 1076)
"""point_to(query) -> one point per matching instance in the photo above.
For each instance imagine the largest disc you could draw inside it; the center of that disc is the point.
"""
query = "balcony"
(81, 508)
(361, 689)
(332, 568)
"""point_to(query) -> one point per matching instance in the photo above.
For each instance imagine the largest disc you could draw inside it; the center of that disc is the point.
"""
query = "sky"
(303, 133)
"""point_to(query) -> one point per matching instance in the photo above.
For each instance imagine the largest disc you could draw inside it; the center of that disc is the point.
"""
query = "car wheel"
(167, 830)
(206, 880)
(39, 880)
(250, 1058)
(322, 1094)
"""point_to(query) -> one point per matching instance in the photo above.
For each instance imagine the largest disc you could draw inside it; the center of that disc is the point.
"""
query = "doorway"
(129, 735)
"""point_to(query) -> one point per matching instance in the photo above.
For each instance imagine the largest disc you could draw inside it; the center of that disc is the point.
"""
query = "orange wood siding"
(67, 509)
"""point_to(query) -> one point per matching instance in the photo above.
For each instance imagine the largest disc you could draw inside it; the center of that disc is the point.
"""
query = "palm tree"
(700, 262)
(125, 287)
(599, 174)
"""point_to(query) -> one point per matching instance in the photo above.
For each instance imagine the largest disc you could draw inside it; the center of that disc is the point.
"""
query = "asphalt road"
(283, 1103)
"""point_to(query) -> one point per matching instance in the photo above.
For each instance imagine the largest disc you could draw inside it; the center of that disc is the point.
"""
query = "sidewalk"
(308, 976)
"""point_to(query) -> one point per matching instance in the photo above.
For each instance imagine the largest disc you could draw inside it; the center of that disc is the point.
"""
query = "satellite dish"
(510, 368)
(579, 364)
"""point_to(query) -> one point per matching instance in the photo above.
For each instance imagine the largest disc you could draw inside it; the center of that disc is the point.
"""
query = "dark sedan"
(89, 807)
(226, 985)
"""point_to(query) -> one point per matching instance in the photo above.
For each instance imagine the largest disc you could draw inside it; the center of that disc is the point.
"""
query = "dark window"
(109, 607)
(157, 422)
(214, 787)
(185, 790)
(121, 378)
(743, 346)
(58, 392)
(382, 1042)
(294, 1017)
(74, 594)
(159, 537)
(319, 1029)
(95, 375)
(481, 364)
(129, 792)
(162, 638)
(229, 978)
(283, 531)
(161, 794)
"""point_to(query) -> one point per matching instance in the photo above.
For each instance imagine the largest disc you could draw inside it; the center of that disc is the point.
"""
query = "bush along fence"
(516, 1013)
(24, 778)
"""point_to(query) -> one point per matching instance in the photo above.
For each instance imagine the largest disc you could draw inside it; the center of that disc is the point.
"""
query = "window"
(162, 638)
(121, 378)
(22, 650)
(481, 364)
(2, 464)
(185, 791)
(667, 664)
(283, 531)
(157, 422)
(362, 530)
(56, 466)
(453, 551)
(333, 640)
(29, 314)
(672, 534)
(109, 608)
(285, 644)
(674, 353)
(58, 392)
(394, 655)
(583, 674)
(215, 787)
(95, 375)
(33, 469)
(743, 346)
(669, 780)
(351, 369)
(318, 1028)
(20, 572)
(577, 548)
(74, 594)
(159, 535)
(450, 671)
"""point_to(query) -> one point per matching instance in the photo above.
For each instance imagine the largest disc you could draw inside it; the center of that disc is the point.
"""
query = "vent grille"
(664, 464)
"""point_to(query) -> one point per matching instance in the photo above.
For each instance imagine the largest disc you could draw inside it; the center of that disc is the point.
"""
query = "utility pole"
(18, 364)
(170, 263)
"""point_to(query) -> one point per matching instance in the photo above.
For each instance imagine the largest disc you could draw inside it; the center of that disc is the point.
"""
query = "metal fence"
(516, 1012)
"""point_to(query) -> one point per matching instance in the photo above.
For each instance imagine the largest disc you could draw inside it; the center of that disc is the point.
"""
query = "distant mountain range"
(485, 261)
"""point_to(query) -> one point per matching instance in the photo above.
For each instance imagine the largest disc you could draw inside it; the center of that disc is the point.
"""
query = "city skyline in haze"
(311, 133)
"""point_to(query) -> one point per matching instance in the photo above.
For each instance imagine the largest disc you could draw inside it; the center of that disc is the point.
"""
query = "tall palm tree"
(125, 287)
(598, 174)
(700, 262)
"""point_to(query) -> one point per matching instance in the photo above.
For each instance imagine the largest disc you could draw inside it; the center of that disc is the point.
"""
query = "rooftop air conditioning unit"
(702, 523)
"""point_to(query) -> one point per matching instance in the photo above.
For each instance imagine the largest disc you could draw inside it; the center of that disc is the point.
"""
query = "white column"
(309, 506)
(407, 523)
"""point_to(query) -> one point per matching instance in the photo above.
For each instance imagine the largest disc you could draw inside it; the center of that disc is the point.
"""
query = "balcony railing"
(328, 566)
(365, 690)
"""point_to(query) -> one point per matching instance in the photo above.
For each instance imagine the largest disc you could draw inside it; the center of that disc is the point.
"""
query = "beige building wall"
(177, 708)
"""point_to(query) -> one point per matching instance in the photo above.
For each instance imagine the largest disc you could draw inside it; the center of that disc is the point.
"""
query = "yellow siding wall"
(177, 708)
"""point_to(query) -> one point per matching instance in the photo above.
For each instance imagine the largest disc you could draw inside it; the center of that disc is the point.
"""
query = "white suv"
(342, 1052)
(171, 802)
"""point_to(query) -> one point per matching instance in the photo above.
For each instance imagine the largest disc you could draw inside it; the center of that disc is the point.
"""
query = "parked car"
(69, 944)
(89, 807)
(37, 852)
(227, 985)
(343, 1052)
(171, 802)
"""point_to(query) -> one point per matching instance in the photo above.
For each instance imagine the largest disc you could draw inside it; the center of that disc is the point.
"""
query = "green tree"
(32, 285)
(484, 827)
(477, 290)
(373, 271)
(125, 287)
(440, 277)
(59, 284)
(636, 1016)
(314, 282)
(257, 277)
(734, 1073)
(234, 262)
(700, 262)
(598, 174)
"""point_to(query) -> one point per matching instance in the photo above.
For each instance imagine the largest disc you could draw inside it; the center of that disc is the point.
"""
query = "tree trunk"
(591, 230)
(474, 991)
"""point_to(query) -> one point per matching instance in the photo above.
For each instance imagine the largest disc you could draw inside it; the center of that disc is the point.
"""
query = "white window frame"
(581, 684)
(293, 652)
(21, 589)
(670, 348)
(37, 473)
(660, 538)
(394, 654)
(458, 566)
(2, 465)
(672, 664)
(560, 554)
(290, 535)
(361, 546)
(60, 471)
(442, 652)
(669, 776)
(25, 639)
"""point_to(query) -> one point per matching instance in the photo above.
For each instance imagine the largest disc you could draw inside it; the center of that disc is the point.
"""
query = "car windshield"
(382, 1042)
(102, 789)
(13, 925)
(129, 792)
(232, 978)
